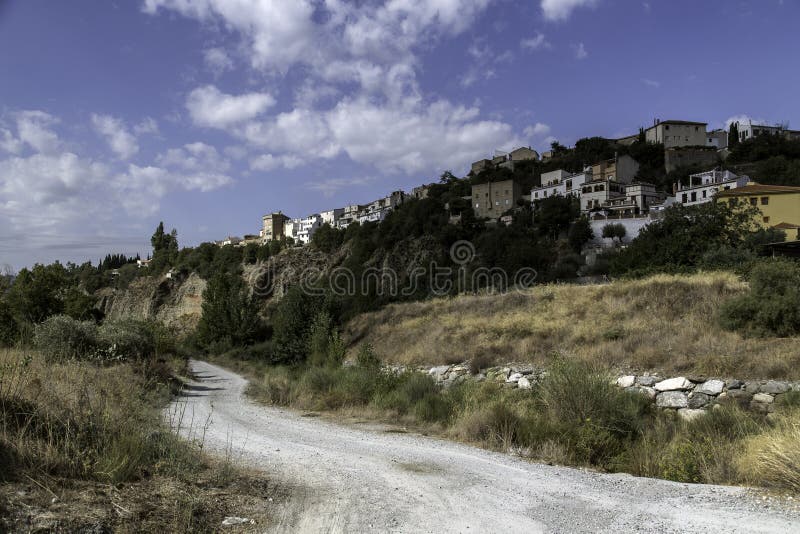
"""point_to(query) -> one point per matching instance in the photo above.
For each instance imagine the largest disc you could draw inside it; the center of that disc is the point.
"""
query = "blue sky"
(115, 114)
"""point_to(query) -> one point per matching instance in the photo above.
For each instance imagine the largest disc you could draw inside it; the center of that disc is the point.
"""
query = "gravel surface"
(347, 479)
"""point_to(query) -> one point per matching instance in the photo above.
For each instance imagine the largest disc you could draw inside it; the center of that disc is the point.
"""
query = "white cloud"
(148, 125)
(580, 51)
(9, 143)
(537, 42)
(278, 33)
(58, 185)
(116, 134)
(218, 60)
(34, 129)
(268, 162)
(651, 83)
(537, 130)
(555, 10)
(194, 157)
(208, 106)
(331, 186)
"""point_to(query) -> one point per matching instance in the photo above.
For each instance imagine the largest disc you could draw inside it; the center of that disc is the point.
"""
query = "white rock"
(672, 399)
(688, 414)
(626, 381)
(710, 387)
(514, 377)
(650, 393)
(763, 398)
(233, 520)
(673, 384)
(524, 383)
(439, 372)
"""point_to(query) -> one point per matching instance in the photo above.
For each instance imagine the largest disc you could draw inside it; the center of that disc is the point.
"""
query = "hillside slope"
(662, 323)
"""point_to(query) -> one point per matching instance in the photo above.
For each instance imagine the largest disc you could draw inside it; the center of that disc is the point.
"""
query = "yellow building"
(779, 205)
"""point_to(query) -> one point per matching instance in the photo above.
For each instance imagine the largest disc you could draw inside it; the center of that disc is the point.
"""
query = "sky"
(207, 114)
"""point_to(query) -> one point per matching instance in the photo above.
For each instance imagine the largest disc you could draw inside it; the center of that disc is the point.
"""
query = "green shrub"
(130, 339)
(772, 306)
(62, 338)
(366, 357)
(432, 408)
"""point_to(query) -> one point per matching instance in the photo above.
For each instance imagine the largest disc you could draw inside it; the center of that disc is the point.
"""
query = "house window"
(569, 184)
(683, 198)
(536, 195)
(496, 202)
(477, 205)
(753, 201)
(694, 197)
(705, 193)
(766, 219)
(764, 201)
(508, 202)
(666, 126)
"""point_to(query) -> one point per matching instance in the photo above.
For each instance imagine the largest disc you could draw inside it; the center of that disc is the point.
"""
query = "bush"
(128, 339)
(772, 307)
(366, 357)
(62, 338)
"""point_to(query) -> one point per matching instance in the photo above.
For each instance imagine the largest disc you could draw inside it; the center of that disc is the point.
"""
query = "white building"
(717, 138)
(291, 228)
(749, 130)
(560, 182)
(308, 226)
(704, 185)
(377, 210)
(332, 217)
(349, 215)
(599, 193)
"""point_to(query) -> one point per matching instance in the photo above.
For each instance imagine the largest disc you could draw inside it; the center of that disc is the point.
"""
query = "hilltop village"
(617, 188)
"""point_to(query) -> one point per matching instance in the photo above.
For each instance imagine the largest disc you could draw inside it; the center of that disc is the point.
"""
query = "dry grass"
(665, 322)
(772, 459)
(85, 448)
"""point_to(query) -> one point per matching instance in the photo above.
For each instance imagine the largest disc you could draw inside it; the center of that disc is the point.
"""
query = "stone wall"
(689, 395)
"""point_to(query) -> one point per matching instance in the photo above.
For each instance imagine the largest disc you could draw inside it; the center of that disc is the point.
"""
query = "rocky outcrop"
(175, 302)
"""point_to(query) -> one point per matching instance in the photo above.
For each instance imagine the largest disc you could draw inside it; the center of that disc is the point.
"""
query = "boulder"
(763, 398)
(752, 387)
(688, 414)
(740, 396)
(650, 393)
(514, 377)
(710, 387)
(734, 384)
(647, 381)
(775, 388)
(439, 372)
(699, 400)
(672, 399)
(524, 383)
(626, 381)
(674, 384)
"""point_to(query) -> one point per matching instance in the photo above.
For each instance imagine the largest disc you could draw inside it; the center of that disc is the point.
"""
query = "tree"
(580, 233)
(8, 326)
(78, 305)
(292, 322)
(552, 215)
(38, 293)
(684, 235)
(165, 248)
(230, 313)
(614, 231)
(327, 239)
(733, 135)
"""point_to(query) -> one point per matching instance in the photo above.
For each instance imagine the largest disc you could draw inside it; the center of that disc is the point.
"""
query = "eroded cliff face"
(176, 303)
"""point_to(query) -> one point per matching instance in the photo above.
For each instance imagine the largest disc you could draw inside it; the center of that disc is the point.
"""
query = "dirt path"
(356, 480)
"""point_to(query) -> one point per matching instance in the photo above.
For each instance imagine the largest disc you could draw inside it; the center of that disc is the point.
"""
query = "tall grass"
(78, 420)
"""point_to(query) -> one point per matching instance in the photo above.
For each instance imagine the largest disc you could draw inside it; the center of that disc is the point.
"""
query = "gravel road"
(348, 479)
